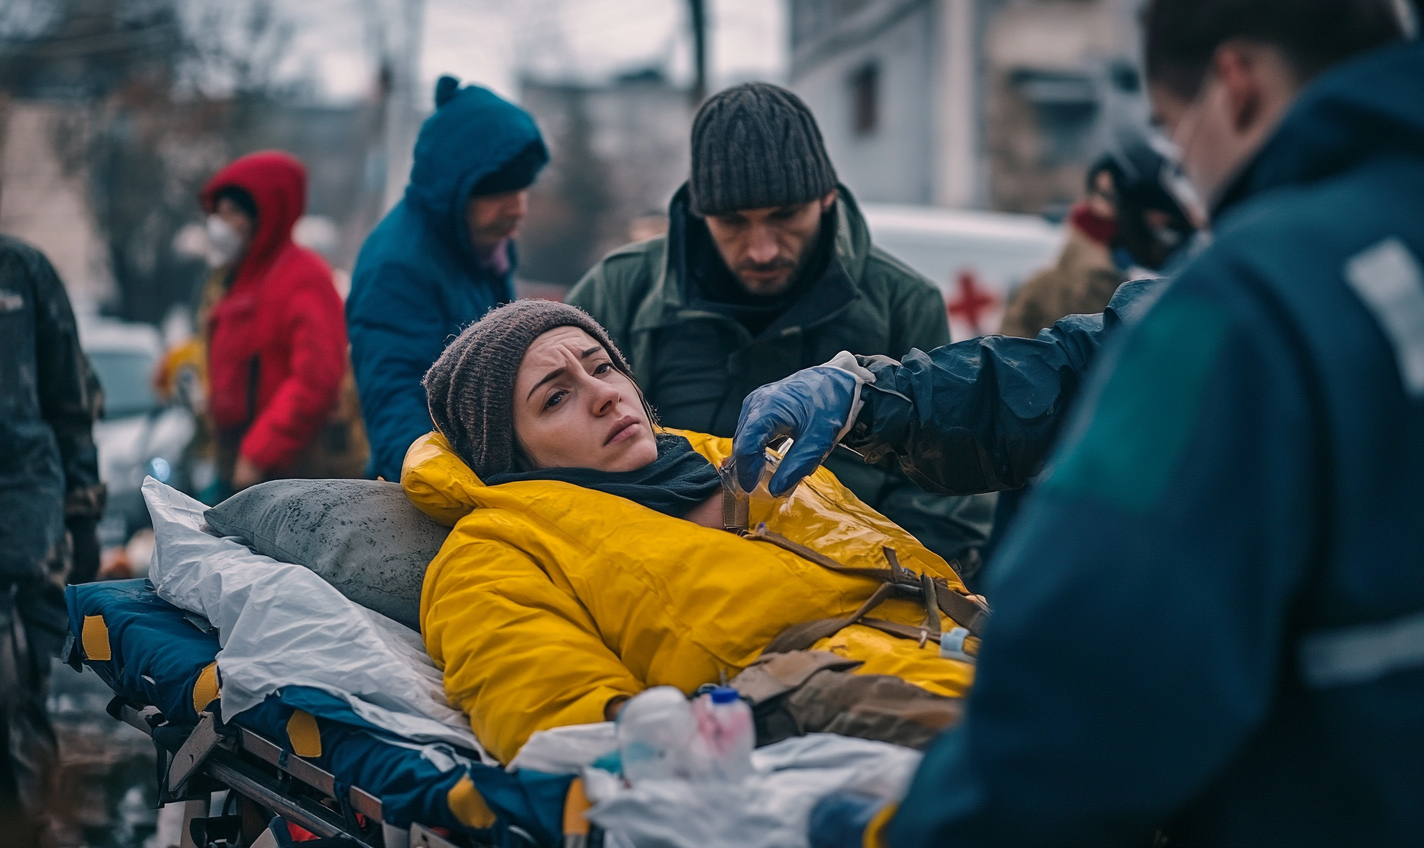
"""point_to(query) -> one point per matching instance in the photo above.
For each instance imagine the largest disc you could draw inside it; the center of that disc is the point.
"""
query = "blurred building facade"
(106, 135)
(618, 152)
(997, 104)
(45, 201)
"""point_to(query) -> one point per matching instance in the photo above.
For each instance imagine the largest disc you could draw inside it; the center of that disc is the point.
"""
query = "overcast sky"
(493, 42)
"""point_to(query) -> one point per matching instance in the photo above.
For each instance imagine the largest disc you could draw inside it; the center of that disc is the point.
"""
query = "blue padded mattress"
(153, 653)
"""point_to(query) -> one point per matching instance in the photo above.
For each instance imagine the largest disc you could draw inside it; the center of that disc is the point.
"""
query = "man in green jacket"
(767, 268)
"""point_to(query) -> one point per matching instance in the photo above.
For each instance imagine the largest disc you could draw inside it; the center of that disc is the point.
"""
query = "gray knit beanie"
(756, 145)
(470, 388)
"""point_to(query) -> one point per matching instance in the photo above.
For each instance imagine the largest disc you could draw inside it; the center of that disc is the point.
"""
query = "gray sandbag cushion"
(364, 537)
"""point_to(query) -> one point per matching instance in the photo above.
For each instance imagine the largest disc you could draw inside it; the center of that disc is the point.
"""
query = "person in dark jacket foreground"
(440, 259)
(767, 268)
(50, 502)
(1230, 524)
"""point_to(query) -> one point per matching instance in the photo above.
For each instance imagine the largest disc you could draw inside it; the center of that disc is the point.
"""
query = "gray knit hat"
(470, 388)
(756, 145)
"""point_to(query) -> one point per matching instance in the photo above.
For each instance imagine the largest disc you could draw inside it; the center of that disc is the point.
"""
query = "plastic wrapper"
(770, 809)
(761, 501)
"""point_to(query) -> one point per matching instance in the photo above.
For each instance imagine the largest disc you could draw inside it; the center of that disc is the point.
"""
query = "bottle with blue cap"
(661, 736)
(727, 734)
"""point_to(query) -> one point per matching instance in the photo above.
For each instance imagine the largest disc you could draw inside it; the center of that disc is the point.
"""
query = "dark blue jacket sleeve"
(397, 332)
(980, 415)
(1141, 597)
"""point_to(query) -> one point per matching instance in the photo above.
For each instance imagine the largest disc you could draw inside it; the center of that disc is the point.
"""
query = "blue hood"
(1369, 106)
(473, 133)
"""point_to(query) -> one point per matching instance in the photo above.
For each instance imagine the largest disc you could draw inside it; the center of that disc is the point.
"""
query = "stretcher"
(331, 720)
(302, 754)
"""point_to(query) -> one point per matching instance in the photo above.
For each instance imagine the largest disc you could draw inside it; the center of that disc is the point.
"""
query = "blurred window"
(127, 380)
(865, 99)
(1124, 76)
(1066, 107)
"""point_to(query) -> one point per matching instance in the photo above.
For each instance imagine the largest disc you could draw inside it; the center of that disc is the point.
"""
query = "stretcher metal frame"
(213, 757)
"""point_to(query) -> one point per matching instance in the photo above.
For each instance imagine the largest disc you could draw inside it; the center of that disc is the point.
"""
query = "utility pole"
(957, 115)
(403, 61)
(698, 16)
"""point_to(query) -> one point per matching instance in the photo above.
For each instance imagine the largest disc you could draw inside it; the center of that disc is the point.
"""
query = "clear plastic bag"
(760, 500)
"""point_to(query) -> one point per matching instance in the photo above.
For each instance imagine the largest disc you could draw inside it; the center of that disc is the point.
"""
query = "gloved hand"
(840, 819)
(815, 406)
(84, 565)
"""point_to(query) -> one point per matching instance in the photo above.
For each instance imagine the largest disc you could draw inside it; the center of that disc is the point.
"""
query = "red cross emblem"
(971, 302)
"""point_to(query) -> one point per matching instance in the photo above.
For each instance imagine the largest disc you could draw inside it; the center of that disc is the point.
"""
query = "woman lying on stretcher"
(590, 558)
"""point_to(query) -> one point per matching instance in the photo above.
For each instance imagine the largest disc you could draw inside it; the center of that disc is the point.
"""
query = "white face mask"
(224, 243)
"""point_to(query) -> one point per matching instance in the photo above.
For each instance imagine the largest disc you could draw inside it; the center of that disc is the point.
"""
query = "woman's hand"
(613, 707)
(815, 407)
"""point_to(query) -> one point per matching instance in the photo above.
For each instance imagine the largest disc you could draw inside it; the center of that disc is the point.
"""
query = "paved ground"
(108, 789)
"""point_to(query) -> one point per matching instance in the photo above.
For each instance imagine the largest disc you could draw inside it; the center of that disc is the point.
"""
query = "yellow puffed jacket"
(549, 599)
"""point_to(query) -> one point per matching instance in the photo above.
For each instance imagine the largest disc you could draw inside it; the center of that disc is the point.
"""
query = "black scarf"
(678, 480)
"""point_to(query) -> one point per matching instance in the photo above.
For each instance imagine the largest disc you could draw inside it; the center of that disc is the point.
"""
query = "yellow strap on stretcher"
(875, 830)
(205, 688)
(469, 806)
(576, 803)
(304, 734)
(95, 638)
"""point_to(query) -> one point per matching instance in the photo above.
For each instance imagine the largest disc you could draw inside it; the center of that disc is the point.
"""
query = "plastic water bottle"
(656, 736)
(727, 734)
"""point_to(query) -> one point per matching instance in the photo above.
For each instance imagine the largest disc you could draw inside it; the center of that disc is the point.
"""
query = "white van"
(976, 258)
(139, 436)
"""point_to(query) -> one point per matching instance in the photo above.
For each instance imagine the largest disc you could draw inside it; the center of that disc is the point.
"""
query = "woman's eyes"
(555, 398)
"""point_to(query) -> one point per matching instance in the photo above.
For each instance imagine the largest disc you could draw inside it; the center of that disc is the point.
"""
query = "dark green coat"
(696, 365)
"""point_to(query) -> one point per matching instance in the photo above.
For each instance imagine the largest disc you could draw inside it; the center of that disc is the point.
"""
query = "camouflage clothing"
(1081, 282)
(49, 479)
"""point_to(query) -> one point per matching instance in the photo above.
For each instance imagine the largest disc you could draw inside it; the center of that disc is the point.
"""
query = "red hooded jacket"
(277, 338)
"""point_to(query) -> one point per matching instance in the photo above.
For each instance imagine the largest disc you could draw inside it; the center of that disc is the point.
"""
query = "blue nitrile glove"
(839, 820)
(815, 406)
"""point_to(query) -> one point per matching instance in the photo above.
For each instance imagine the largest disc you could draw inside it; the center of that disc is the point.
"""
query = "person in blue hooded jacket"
(439, 260)
(1209, 619)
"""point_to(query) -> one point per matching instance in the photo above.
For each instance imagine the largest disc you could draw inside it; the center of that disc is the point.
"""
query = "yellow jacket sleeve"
(512, 643)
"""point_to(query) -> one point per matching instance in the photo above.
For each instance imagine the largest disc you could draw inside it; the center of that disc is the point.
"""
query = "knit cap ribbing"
(753, 146)
(470, 388)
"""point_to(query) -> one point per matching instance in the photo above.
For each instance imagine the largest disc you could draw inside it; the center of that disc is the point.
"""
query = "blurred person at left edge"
(276, 336)
(50, 500)
(439, 260)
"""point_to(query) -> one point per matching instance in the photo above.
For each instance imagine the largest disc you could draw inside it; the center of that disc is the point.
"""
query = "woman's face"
(233, 215)
(574, 409)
